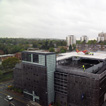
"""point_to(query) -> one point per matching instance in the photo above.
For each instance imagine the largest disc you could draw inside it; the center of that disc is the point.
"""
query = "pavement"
(18, 99)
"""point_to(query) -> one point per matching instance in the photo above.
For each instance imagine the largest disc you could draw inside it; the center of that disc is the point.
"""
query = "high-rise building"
(70, 39)
(102, 34)
(84, 38)
(100, 39)
(35, 76)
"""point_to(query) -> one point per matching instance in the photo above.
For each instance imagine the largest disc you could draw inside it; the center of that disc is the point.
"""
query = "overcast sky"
(52, 18)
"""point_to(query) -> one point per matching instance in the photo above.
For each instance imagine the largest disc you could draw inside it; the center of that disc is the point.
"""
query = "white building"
(84, 38)
(103, 35)
(70, 39)
(100, 39)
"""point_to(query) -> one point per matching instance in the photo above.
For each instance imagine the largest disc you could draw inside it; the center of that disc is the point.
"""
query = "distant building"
(33, 49)
(102, 34)
(70, 39)
(100, 39)
(3, 57)
(84, 38)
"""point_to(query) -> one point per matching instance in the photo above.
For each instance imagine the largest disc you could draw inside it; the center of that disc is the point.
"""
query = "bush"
(10, 62)
(51, 49)
(18, 90)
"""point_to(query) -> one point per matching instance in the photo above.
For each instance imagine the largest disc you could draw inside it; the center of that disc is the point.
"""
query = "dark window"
(35, 58)
(23, 56)
(28, 57)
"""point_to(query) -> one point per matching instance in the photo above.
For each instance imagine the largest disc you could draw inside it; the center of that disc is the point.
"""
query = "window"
(35, 58)
(28, 57)
(23, 56)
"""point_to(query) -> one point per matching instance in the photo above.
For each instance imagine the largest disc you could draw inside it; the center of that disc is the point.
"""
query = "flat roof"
(38, 51)
(5, 55)
(97, 55)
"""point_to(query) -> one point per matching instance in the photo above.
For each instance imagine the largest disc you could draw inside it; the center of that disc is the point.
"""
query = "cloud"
(52, 18)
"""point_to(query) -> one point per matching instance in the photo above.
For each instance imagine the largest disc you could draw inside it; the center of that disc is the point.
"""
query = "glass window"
(23, 56)
(28, 57)
(35, 58)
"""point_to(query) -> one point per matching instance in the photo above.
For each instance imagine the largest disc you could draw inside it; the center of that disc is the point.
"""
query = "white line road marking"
(12, 104)
(6, 100)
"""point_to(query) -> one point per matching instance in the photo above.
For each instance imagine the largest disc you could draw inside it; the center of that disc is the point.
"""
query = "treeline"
(14, 45)
(92, 42)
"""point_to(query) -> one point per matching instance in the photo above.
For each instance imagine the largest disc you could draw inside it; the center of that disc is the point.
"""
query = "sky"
(52, 18)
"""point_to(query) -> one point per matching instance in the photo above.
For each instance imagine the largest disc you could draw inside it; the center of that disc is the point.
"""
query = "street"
(18, 100)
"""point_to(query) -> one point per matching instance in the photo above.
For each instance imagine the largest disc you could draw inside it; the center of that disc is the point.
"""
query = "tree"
(62, 50)
(74, 47)
(10, 62)
(51, 49)
(70, 48)
(78, 42)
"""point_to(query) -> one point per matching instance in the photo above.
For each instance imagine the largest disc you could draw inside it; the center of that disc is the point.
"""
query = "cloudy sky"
(52, 18)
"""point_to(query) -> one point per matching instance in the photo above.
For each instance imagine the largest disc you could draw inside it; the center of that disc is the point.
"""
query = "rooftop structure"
(73, 62)
(97, 55)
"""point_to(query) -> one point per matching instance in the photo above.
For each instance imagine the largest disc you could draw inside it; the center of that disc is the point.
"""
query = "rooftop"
(97, 55)
(69, 62)
(39, 52)
(5, 55)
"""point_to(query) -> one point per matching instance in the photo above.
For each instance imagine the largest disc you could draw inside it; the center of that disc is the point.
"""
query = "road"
(18, 100)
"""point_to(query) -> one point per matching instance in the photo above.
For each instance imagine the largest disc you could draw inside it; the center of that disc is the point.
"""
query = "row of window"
(28, 56)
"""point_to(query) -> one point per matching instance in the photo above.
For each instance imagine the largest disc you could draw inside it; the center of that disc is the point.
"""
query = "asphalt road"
(18, 100)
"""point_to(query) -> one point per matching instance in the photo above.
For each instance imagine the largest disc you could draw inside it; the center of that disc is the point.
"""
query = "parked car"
(8, 97)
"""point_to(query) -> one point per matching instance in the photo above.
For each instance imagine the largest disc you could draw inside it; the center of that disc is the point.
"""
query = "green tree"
(78, 42)
(51, 49)
(70, 48)
(74, 47)
(92, 42)
(62, 50)
(10, 62)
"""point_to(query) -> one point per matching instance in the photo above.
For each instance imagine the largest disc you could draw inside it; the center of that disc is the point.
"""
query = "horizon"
(40, 38)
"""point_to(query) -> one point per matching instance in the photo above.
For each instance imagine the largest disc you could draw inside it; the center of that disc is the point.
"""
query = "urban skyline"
(77, 38)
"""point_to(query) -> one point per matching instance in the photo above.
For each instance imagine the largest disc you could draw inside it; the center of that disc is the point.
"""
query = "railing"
(94, 68)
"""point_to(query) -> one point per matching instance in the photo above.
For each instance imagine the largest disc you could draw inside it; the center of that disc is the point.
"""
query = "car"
(8, 97)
